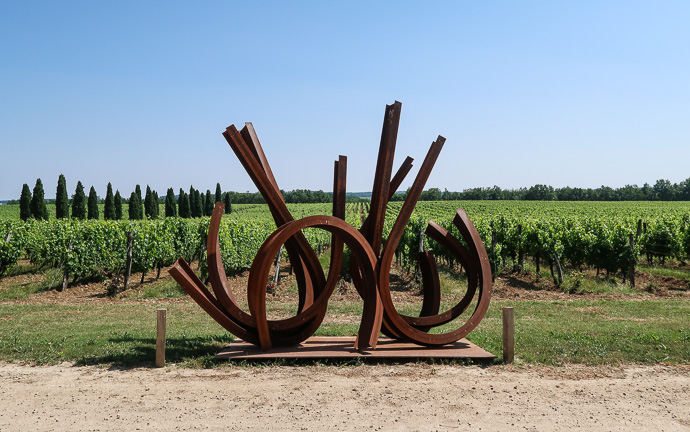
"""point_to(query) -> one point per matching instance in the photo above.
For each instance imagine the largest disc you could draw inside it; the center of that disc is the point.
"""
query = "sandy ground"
(370, 397)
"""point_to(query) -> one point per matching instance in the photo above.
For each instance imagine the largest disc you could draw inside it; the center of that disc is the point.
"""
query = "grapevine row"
(82, 248)
(606, 242)
(608, 238)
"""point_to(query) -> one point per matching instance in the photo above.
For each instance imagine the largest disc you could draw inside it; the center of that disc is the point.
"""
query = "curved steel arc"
(445, 239)
(415, 329)
(372, 314)
(305, 263)
(184, 275)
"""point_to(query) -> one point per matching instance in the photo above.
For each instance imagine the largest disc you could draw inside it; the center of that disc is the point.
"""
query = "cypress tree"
(118, 205)
(180, 204)
(156, 206)
(184, 204)
(170, 207)
(25, 203)
(208, 203)
(180, 198)
(201, 203)
(140, 203)
(219, 194)
(148, 203)
(192, 202)
(93, 204)
(228, 204)
(39, 210)
(61, 199)
(134, 207)
(198, 209)
(79, 203)
(109, 206)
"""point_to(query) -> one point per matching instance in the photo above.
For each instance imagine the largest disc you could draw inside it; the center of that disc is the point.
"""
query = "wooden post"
(632, 260)
(160, 337)
(421, 240)
(128, 262)
(559, 269)
(65, 276)
(203, 264)
(494, 265)
(553, 275)
(276, 275)
(417, 269)
(508, 335)
(521, 252)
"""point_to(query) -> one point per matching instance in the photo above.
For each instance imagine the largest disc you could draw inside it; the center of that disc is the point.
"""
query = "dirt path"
(377, 397)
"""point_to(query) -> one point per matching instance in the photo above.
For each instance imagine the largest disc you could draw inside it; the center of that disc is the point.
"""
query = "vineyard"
(609, 237)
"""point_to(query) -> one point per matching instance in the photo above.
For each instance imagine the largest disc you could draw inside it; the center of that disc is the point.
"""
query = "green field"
(546, 332)
(549, 209)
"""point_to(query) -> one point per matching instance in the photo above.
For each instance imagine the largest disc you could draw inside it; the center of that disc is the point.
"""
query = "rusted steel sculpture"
(370, 264)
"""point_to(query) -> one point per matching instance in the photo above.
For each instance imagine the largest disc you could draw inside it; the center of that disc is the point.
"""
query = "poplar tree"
(208, 203)
(39, 210)
(25, 203)
(219, 194)
(109, 206)
(170, 207)
(79, 202)
(61, 199)
(118, 205)
(93, 204)
(228, 204)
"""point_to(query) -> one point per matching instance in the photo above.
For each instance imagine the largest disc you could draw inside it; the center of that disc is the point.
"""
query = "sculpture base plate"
(321, 347)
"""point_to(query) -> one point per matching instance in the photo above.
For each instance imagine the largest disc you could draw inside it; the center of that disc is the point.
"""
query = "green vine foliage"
(591, 238)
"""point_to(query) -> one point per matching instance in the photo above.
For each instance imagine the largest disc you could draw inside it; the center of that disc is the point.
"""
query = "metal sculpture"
(370, 263)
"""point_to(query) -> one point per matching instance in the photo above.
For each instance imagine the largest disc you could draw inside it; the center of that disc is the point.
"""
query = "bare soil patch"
(507, 285)
(417, 397)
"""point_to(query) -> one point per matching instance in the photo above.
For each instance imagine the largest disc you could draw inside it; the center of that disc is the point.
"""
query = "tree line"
(297, 196)
(186, 205)
(662, 190)
(196, 204)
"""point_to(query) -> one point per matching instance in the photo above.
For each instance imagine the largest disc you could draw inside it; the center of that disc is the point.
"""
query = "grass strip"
(546, 332)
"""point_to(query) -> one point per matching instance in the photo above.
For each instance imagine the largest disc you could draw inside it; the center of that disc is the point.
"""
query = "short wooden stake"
(128, 261)
(508, 335)
(160, 337)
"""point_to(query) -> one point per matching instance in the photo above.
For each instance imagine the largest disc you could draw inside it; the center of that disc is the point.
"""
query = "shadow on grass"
(141, 352)
(517, 282)
(201, 352)
(399, 284)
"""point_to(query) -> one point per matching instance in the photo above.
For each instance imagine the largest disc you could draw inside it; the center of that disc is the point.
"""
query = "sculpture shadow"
(131, 352)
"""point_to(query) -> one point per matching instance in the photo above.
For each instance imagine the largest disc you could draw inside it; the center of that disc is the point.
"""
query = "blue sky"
(578, 94)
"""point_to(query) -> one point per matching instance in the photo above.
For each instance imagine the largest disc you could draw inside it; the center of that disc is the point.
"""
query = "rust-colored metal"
(382, 177)
(371, 258)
